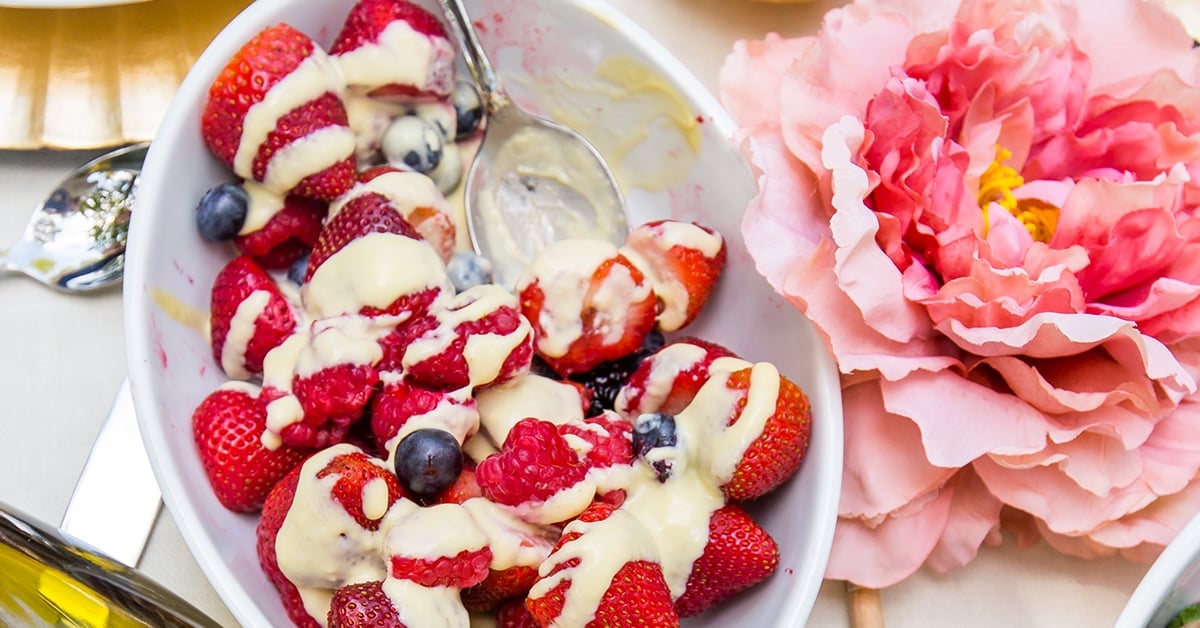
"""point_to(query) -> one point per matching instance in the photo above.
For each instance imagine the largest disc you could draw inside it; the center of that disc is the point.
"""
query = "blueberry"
(298, 270)
(441, 115)
(414, 144)
(449, 171)
(467, 270)
(468, 109)
(428, 461)
(650, 432)
(222, 212)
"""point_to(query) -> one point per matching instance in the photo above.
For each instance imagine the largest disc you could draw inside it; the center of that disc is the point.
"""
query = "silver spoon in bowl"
(533, 182)
(75, 240)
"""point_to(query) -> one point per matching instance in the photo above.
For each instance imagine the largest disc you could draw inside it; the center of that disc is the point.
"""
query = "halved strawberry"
(227, 427)
(480, 339)
(636, 594)
(362, 214)
(288, 234)
(601, 306)
(419, 200)
(682, 261)
(363, 605)
(388, 71)
(669, 379)
(302, 123)
(737, 555)
(465, 487)
(249, 316)
(777, 452)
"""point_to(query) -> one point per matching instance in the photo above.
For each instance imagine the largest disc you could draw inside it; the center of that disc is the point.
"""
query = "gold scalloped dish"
(100, 76)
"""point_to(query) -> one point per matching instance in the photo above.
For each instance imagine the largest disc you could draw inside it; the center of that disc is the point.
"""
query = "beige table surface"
(62, 358)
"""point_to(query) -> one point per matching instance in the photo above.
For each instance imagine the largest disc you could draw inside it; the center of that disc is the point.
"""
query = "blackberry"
(606, 380)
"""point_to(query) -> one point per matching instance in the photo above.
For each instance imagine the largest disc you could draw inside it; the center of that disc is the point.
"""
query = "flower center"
(996, 186)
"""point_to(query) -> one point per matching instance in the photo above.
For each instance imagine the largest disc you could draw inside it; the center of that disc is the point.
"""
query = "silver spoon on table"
(533, 182)
(75, 240)
(75, 243)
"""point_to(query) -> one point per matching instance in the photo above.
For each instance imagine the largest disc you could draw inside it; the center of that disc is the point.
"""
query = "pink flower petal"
(751, 77)
(882, 468)
(974, 519)
(864, 272)
(955, 428)
(879, 556)
(1108, 35)
(834, 78)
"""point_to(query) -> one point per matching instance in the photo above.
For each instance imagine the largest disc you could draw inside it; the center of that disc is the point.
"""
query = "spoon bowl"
(75, 240)
(533, 181)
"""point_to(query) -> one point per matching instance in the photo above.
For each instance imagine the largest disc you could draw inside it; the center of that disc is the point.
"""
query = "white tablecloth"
(63, 358)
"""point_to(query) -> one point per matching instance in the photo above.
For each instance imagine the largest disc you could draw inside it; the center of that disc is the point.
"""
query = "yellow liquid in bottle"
(33, 594)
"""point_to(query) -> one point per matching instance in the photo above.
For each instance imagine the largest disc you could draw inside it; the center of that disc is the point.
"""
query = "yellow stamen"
(997, 185)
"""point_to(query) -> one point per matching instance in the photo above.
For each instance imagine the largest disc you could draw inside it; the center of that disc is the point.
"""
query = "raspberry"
(534, 464)
(609, 445)
(287, 236)
(465, 569)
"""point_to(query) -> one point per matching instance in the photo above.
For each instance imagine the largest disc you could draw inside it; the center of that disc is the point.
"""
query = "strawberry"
(287, 236)
(228, 426)
(465, 487)
(362, 214)
(669, 379)
(400, 402)
(363, 605)
(636, 595)
(361, 490)
(419, 200)
(534, 464)
(682, 261)
(354, 470)
(776, 454)
(499, 587)
(737, 555)
(480, 339)
(602, 307)
(296, 112)
(514, 615)
(249, 317)
(386, 71)
(274, 512)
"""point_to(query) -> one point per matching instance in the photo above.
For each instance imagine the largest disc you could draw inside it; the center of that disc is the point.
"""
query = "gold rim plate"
(98, 76)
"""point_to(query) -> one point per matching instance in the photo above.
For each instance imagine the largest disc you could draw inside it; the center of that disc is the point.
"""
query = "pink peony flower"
(989, 210)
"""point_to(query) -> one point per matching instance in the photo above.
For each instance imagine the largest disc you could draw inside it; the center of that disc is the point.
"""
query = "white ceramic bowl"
(546, 55)
(1170, 585)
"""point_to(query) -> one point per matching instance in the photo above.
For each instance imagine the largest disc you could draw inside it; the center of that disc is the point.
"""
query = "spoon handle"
(477, 60)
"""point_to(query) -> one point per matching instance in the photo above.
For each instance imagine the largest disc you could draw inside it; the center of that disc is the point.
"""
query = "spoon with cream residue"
(75, 240)
(533, 181)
